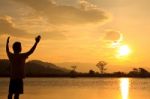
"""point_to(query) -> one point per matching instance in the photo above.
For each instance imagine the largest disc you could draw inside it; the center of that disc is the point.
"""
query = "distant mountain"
(35, 68)
(4, 67)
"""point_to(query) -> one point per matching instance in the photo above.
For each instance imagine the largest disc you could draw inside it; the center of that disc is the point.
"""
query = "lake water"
(81, 88)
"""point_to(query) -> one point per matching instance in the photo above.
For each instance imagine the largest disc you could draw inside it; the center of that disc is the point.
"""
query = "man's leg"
(16, 96)
(10, 96)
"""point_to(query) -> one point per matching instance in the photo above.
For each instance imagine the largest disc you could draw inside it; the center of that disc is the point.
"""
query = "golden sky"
(79, 31)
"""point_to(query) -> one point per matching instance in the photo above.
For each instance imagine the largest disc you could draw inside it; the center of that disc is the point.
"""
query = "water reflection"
(81, 88)
(124, 87)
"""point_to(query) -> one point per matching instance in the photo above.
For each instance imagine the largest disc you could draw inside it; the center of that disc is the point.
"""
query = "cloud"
(114, 36)
(87, 5)
(8, 27)
(53, 35)
(113, 39)
(61, 14)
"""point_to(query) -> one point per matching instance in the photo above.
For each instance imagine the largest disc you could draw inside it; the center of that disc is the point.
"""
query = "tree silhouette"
(139, 72)
(91, 72)
(73, 71)
(101, 65)
(74, 68)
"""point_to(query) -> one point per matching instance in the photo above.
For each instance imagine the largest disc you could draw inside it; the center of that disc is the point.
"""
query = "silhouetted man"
(17, 63)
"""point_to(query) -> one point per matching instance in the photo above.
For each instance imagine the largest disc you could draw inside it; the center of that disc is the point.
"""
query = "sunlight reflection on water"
(124, 87)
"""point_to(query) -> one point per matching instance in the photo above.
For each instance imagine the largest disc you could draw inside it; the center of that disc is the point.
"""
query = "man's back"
(17, 63)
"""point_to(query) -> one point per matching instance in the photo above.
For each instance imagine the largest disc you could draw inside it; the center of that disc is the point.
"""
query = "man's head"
(17, 47)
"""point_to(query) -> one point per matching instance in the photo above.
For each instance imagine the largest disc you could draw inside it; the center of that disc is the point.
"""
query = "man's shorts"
(16, 86)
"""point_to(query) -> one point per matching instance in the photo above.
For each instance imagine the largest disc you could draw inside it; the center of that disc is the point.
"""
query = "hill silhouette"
(35, 68)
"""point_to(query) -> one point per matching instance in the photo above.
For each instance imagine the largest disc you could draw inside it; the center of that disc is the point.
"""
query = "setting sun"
(124, 50)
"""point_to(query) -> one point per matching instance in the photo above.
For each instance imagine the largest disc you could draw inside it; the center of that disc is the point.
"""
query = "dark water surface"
(81, 88)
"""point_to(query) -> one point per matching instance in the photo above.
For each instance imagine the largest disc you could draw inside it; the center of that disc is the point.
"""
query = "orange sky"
(79, 31)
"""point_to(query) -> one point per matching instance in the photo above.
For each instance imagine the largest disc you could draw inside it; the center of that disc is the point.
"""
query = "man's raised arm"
(7, 47)
(37, 39)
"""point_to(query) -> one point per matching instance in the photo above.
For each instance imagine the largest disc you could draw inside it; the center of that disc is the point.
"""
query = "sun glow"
(124, 50)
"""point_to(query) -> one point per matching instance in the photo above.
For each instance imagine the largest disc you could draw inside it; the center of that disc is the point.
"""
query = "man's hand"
(8, 40)
(38, 38)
